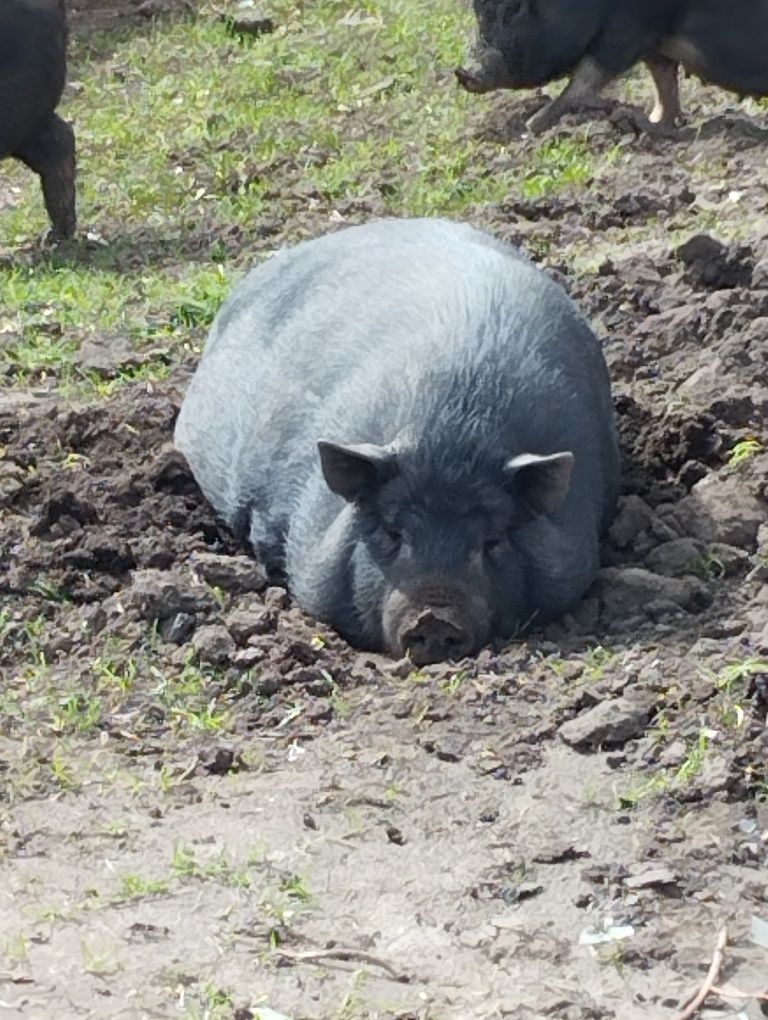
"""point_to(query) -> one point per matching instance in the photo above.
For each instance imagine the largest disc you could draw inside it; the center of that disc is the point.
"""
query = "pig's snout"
(433, 637)
(485, 71)
(469, 80)
(435, 623)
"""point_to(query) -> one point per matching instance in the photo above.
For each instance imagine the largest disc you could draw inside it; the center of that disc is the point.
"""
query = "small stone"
(609, 723)
(651, 879)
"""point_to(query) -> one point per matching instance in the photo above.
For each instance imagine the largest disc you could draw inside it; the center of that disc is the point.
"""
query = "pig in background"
(33, 67)
(415, 425)
(528, 43)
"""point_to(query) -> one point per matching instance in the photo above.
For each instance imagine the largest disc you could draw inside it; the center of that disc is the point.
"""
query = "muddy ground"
(211, 807)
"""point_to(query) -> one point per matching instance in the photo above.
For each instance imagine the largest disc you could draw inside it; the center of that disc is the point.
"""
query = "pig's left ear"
(354, 471)
(542, 481)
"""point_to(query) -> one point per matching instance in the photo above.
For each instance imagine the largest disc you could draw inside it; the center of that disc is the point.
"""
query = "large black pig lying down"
(415, 424)
(528, 43)
(33, 65)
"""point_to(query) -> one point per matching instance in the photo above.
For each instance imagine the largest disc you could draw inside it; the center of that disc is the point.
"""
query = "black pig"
(33, 66)
(415, 424)
(527, 43)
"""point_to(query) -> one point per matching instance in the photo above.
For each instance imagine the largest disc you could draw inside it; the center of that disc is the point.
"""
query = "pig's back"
(423, 325)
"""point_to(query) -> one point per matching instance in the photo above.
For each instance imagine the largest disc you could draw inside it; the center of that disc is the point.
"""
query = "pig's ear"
(543, 481)
(351, 471)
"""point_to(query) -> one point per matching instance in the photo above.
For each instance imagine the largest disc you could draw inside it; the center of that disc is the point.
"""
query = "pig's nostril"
(433, 639)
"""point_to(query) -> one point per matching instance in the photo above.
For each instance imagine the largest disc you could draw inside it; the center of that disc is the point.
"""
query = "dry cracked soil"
(231, 813)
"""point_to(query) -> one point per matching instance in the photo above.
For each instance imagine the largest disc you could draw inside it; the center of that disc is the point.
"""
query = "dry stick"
(734, 993)
(709, 981)
(315, 955)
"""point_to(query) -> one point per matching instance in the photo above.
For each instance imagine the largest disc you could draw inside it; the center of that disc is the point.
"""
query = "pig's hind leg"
(667, 110)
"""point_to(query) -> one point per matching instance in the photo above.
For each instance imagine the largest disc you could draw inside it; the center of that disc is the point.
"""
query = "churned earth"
(210, 806)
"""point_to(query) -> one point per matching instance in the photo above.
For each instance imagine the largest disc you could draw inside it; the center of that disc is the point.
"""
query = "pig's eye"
(394, 536)
(490, 547)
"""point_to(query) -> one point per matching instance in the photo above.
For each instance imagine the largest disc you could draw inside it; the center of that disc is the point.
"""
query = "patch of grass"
(134, 886)
(17, 949)
(709, 567)
(743, 452)
(672, 779)
(557, 164)
(596, 659)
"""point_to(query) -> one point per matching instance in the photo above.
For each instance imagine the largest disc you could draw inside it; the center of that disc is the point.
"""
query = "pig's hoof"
(630, 119)
(543, 120)
(468, 81)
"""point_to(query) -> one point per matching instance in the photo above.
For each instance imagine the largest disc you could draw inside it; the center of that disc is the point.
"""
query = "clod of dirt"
(719, 509)
(236, 574)
(159, 594)
(609, 724)
(674, 558)
(12, 479)
(712, 264)
(58, 515)
(633, 518)
(178, 629)
(213, 644)
(630, 591)
(736, 405)
(105, 354)
(243, 624)
(220, 761)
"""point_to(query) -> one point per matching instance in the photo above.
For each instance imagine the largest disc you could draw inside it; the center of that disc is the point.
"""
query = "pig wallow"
(415, 425)
(33, 65)
(527, 43)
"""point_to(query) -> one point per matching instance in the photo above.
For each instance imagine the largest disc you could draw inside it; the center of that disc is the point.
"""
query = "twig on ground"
(359, 955)
(734, 993)
(709, 981)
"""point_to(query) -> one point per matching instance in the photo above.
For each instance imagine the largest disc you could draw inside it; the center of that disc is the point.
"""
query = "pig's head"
(527, 43)
(439, 564)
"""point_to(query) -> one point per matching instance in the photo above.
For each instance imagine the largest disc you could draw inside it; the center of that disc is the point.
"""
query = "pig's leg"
(667, 110)
(581, 92)
(51, 154)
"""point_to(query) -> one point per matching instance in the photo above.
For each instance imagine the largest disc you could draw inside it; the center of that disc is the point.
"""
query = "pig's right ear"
(353, 471)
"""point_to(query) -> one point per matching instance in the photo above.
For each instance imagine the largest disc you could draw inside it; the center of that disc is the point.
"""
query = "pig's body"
(33, 64)
(527, 43)
(442, 355)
